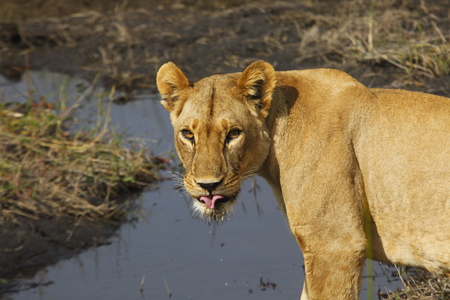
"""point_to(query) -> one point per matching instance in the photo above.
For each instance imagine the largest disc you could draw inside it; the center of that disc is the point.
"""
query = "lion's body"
(358, 172)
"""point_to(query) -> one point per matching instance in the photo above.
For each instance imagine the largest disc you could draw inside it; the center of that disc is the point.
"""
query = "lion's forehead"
(202, 120)
(219, 124)
(212, 110)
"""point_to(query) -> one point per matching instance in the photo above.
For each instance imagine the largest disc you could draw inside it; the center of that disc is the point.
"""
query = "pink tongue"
(211, 200)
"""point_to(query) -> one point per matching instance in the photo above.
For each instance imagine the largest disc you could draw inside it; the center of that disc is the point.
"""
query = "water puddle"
(166, 254)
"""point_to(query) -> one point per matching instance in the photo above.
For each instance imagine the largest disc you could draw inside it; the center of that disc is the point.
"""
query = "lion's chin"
(221, 212)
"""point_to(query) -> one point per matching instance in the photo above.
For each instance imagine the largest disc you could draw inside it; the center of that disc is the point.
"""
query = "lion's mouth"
(212, 201)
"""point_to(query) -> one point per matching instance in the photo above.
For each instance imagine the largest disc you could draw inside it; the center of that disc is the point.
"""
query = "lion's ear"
(256, 84)
(170, 81)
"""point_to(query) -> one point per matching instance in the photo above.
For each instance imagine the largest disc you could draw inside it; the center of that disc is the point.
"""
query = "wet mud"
(29, 245)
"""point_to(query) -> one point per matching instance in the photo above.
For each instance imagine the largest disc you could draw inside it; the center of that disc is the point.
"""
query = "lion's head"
(219, 131)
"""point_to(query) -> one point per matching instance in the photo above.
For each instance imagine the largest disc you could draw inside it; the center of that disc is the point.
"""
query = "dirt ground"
(28, 248)
(130, 41)
(387, 43)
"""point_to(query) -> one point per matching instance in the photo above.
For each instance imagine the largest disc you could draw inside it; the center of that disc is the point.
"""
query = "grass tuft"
(47, 171)
(409, 39)
(420, 285)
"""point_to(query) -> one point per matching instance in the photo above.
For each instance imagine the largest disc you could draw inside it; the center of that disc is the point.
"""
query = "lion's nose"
(209, 186)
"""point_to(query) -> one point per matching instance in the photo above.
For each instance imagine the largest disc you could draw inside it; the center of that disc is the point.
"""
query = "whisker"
(199, 211)
(249, 173)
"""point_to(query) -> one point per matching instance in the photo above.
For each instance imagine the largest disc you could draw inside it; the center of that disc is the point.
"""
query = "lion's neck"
(276, 124)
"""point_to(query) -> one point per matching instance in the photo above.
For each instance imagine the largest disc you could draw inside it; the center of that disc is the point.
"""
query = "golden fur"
(359, 173)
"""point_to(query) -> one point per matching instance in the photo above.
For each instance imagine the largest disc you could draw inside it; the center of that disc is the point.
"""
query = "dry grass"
(128, 45)
(421, 285)
(411, 35)
(20, 11)
(409, 39)
(47, 171)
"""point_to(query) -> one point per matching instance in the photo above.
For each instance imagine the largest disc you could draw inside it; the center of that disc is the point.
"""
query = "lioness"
(358, 172)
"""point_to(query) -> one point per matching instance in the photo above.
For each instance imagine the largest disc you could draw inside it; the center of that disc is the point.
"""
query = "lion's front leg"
(329, 227)
(333, 268)
(304, 292)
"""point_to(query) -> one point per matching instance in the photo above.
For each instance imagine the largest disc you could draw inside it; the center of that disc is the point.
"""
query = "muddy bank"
(61, 190)
(32, 245)
(128, 45)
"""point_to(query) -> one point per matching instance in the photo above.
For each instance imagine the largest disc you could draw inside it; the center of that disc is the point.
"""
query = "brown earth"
(127, 42)
(36, 244)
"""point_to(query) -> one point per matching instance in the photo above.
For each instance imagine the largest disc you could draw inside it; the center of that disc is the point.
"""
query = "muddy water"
(166, 254)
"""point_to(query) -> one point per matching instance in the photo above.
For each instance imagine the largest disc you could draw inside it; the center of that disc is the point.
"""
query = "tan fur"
(359, 173)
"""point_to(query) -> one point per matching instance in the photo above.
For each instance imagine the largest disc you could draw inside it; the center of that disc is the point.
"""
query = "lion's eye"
(233, 134)
(187, 134)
